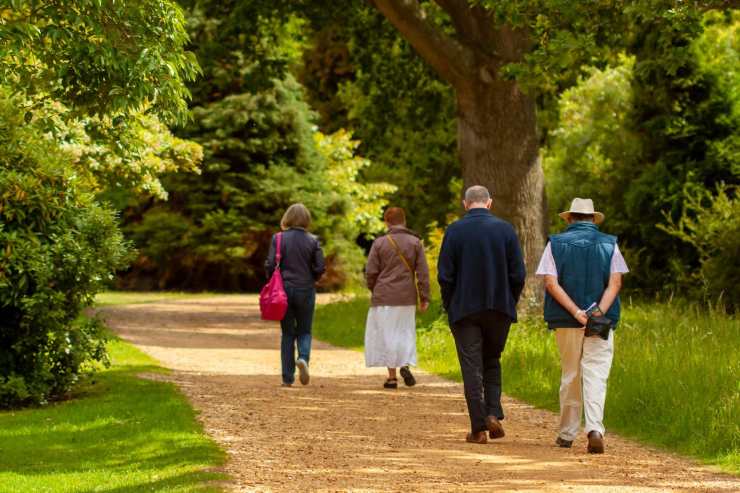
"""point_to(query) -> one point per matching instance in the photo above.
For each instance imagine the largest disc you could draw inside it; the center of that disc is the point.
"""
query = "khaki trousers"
(585, 364)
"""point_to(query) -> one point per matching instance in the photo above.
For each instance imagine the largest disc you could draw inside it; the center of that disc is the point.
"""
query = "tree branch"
(473, 24)
(448, 57)
(459, 12)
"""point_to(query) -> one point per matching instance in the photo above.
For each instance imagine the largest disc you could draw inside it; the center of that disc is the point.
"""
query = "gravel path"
(343, 432)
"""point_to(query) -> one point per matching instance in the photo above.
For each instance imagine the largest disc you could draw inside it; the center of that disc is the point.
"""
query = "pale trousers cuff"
(585, 365)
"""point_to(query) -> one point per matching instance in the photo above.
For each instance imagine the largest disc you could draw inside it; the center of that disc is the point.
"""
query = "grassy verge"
(119, 433)
(675, 381)
(135, 297)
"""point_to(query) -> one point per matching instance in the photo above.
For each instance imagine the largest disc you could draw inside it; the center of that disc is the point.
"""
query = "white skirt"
(390, 336)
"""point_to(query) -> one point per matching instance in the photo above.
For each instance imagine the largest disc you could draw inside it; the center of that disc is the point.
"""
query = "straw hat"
(583, 206)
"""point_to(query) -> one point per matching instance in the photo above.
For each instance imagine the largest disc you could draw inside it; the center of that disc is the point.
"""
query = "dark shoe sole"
(304, 376)
(563, 443)
(495, 428)
(408, 378)
(390, 384)
(595, 444)
(480, 440)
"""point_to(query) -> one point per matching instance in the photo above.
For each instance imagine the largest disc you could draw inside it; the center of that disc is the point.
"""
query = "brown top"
(388, 277)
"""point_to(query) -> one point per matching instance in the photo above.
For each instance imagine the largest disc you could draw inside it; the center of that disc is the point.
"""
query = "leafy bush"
(261, 153)
(633, 137)
(711, 224)
(57, 246)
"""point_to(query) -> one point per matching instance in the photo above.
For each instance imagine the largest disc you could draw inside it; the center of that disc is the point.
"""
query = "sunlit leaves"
(99, 57)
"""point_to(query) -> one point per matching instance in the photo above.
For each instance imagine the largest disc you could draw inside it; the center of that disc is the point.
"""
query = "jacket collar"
(478, 211)
(582, 226)
(402, 229)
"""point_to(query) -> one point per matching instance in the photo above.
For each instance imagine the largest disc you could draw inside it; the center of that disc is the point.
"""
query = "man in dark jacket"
(481, 274)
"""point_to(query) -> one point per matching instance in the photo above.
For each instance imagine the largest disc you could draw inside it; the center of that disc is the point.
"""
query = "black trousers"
(480, 339)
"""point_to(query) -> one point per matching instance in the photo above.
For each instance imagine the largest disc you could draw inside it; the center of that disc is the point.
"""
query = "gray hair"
(477, 194)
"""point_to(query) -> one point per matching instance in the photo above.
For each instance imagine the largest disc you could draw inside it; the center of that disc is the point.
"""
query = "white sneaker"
(304, 377)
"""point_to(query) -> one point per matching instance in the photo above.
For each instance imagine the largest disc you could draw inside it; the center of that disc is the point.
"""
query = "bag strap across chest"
(278, 255)
(400, 254)
(407, 264)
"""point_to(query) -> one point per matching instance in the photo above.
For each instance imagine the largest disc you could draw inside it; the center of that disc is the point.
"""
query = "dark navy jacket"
(480, 266)
(583, 257)
(302, 262)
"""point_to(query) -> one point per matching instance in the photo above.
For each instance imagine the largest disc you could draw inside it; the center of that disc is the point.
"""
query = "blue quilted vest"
(583, 259)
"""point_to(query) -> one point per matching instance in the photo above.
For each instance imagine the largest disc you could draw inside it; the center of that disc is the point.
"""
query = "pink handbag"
(273, 300)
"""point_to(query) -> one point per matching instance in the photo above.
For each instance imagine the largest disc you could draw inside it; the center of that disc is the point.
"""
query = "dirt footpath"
(343, 432)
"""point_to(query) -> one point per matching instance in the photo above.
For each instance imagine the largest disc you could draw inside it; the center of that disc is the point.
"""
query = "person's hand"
(581, 317)
(424, 306)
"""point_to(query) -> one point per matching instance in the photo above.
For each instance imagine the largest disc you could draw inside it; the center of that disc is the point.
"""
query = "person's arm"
(270, 260)
(558, 293)
(611, 292)
(318, 266)
(517, 269)
(446, 271)
(617, 268)
(422, 276)
(372, 270)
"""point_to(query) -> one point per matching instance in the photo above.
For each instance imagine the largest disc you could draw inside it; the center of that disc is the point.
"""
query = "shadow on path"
(344, 432)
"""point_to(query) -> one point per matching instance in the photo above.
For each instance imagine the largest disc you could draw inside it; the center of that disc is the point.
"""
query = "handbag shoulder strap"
(278, 254)
(400, 254)
(407, 264)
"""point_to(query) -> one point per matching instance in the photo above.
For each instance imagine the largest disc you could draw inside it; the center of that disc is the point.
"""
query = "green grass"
(135, 297)
(675, 380)
(119, 433)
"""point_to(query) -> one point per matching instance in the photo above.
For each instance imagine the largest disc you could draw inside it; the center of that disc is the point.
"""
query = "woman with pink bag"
(301, 263)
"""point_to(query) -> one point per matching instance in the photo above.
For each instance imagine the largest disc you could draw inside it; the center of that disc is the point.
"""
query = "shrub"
(711, 224)
(261, 153)
(57, 246)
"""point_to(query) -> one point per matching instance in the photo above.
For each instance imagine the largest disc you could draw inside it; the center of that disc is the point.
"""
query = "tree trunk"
(497, 127)
(498, 148)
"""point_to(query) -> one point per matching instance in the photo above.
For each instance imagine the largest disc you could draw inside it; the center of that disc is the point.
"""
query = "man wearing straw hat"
(582, 268)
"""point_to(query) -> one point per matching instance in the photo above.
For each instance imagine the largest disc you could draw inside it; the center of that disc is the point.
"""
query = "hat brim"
(598, 216)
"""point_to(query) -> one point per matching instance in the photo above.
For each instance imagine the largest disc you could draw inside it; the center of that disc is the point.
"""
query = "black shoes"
(408, 377)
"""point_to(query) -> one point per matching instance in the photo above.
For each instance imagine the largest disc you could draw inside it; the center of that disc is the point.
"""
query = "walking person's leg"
(570, 346)
(288, 341)
(469, 343)
(305, 305)
(495, 334)
(406, 341)
(595, 366)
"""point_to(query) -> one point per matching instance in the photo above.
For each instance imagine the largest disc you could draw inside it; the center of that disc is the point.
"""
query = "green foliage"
(116, 153)
(666, 355)
(122, 431)
(100, 57)
(711, 224)
(593, 153)
(361, 74)
(58, 247)
(261, 153)
(634, 136)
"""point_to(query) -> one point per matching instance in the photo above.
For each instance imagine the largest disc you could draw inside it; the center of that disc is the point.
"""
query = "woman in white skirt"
(398, 276)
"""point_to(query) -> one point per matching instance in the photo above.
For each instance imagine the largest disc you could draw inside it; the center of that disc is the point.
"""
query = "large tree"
(500, 58)
(498, 141)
